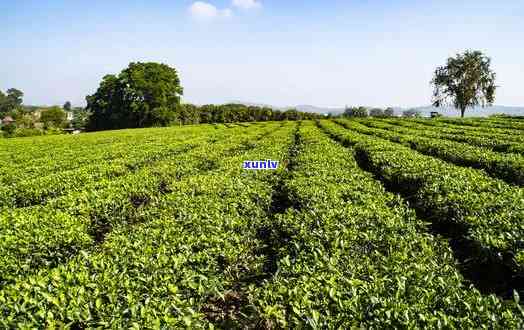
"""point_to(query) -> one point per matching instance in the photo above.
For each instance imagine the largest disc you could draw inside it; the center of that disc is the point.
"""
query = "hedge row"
(357, 257)
(22, 163)
(508, 167)
(487, 123)
(181, 266)
(45, 236)
(478, 139)
(474, 206)
(116, 162)
(498, 133)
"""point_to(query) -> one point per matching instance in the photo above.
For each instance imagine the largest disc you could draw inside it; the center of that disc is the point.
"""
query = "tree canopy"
(465, 81)
(53, 117)
(10, 101)
(229, 113)
(142, 95)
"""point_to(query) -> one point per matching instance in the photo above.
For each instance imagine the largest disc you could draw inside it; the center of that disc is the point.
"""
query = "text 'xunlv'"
(260, 165)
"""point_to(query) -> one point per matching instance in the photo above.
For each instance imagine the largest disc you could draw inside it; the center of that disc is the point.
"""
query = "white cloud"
(205, 11)
(225, 12)
(247, 4)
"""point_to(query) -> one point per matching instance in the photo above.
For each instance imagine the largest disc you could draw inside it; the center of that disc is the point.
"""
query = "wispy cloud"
(203, 11)
(247, 4)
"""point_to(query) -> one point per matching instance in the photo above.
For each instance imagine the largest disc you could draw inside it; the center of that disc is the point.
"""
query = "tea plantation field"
(373, 223)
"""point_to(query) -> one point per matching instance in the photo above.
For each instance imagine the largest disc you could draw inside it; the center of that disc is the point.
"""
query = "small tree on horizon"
(389, 112)
(356, 112)
(465, 81)
(67, 106)
(411, 113)
(376, 112)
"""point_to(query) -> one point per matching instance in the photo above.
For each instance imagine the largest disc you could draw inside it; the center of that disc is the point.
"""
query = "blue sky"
(325, 53)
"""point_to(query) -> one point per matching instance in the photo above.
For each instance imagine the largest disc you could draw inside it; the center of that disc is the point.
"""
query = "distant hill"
(303, 108)
(254, 104)
(425, 110)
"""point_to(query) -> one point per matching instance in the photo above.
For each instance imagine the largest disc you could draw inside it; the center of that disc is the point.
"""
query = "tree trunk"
(462, 110)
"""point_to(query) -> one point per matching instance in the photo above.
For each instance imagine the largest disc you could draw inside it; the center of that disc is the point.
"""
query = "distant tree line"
(228, 113)
(148, 94)
(361, 112)
(365, 112)
(188, 114)
(376, 112)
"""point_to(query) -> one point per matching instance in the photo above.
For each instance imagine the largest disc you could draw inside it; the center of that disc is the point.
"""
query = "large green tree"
(464, 82)
(142, 95)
